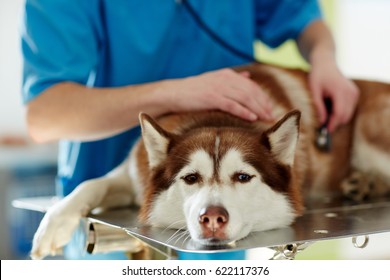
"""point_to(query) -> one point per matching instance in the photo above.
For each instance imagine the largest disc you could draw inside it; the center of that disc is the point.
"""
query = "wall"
(363, 35)
(11, 111)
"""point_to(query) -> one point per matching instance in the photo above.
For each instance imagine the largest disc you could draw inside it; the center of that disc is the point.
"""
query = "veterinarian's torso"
(122, 42)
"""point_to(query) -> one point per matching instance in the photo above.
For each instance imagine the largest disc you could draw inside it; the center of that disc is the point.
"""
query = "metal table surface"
(324, 218)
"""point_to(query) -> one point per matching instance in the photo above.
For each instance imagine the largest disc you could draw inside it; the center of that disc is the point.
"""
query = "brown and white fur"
(221, 177)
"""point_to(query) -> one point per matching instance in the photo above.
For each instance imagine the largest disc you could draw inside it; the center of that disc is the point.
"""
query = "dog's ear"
(156, 140)
(281, 139)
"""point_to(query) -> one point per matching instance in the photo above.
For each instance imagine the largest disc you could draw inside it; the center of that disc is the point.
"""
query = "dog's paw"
(54, 231)
(361, 186)
(356, 187)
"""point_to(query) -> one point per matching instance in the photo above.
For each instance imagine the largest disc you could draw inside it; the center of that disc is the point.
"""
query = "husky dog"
(222, 178)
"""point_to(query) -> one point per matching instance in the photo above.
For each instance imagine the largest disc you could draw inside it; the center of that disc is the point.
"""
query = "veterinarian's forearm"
(73, 111)
(316, 43)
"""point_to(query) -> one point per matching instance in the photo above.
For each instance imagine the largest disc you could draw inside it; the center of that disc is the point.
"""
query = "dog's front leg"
(60, 221)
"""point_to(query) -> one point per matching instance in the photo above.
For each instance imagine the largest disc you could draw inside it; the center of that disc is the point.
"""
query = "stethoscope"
(323, 137)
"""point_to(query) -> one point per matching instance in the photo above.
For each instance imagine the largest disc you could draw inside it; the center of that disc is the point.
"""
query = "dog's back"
(359, 157)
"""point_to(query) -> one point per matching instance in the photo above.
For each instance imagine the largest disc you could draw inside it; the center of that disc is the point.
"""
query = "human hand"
(224, 90)
(326, 81)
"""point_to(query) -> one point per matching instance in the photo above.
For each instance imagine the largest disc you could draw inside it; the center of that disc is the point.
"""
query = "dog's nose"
(213, 219)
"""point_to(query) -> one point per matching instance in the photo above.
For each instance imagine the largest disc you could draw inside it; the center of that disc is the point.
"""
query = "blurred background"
(362, 32)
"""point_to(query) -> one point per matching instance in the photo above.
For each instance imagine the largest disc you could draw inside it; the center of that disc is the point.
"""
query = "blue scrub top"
(111, 43)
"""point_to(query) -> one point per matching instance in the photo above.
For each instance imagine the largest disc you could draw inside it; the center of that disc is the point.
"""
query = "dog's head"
(221, 183)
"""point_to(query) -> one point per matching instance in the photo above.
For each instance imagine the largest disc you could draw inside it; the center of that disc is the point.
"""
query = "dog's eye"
(242, 177)
(191, 178)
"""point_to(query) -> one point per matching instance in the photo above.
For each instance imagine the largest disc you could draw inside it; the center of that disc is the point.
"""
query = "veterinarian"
(90, 66)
